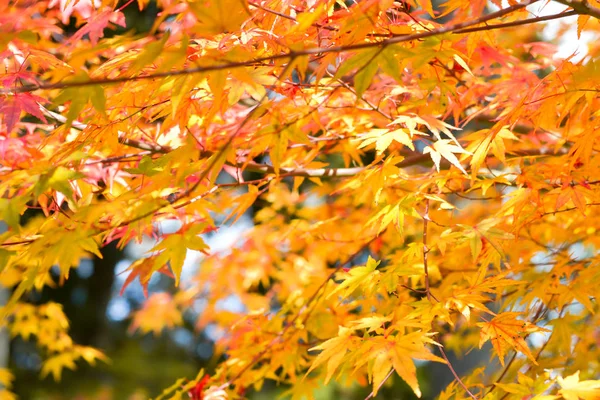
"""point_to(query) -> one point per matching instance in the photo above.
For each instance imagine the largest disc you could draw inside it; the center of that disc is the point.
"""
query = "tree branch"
(517, 23)
(582, 7)
(289, 55)
(153, 148)
(456, 377)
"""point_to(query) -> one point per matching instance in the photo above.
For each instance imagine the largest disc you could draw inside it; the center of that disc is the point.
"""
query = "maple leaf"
(89, 354)
(143, 268)
(387, 215)
(159, 312)
(443, 148)
(505, 331)
(372, 324)
(333, 351)
(95, 26)
(67, 7)
(384, 137)
(244, 202)
(321, 109)
(11, 107)
(6, 377)
(196, 392)
(574, 389)
(55, 364)
(18, 77)
(219, 16)
(482, 142)
(173, 248)
(46, 61)
(384, 353)
(358, 276)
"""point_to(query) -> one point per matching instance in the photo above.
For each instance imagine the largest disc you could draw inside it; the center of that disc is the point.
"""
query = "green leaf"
(60, 180)
(149, 53)
(364, 77)
(388, 61)
(98, 98)
(357, 61)
(10, 212)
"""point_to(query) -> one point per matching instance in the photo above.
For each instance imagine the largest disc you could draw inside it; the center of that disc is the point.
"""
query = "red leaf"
(196, 392)
(11, 107)
(11, 79)
(95, 27)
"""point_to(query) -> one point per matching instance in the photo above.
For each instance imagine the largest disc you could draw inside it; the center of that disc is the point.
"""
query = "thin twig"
(460, 382)
(517, 23)
(372, 394)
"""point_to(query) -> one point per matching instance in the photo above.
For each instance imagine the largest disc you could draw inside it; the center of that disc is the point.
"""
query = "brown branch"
(560, 94)
(567, 209)
(138, 144)
(517, 23)
(268, 169)
(317, 172)
(271, 11)
(253, 167)
(289, 55)
(582, 7)
(119, 159)
(212, 163)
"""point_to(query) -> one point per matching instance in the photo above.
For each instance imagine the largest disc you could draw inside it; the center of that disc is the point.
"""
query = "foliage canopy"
(424, 178)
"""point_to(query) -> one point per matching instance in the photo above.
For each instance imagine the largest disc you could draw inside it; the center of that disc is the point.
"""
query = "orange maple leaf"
(506, 331)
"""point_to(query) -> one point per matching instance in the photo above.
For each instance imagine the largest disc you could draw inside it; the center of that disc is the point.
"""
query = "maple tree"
(425, 179)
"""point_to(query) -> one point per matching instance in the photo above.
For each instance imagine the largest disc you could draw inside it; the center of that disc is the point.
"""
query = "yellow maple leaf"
(6, 377)
(443, 148)
(159, 312)
(56, 364)
(333, 351)
(373, 323)
(90, 354)
(574, 389)
(219, 16)
(383, 138)
(357, 277)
